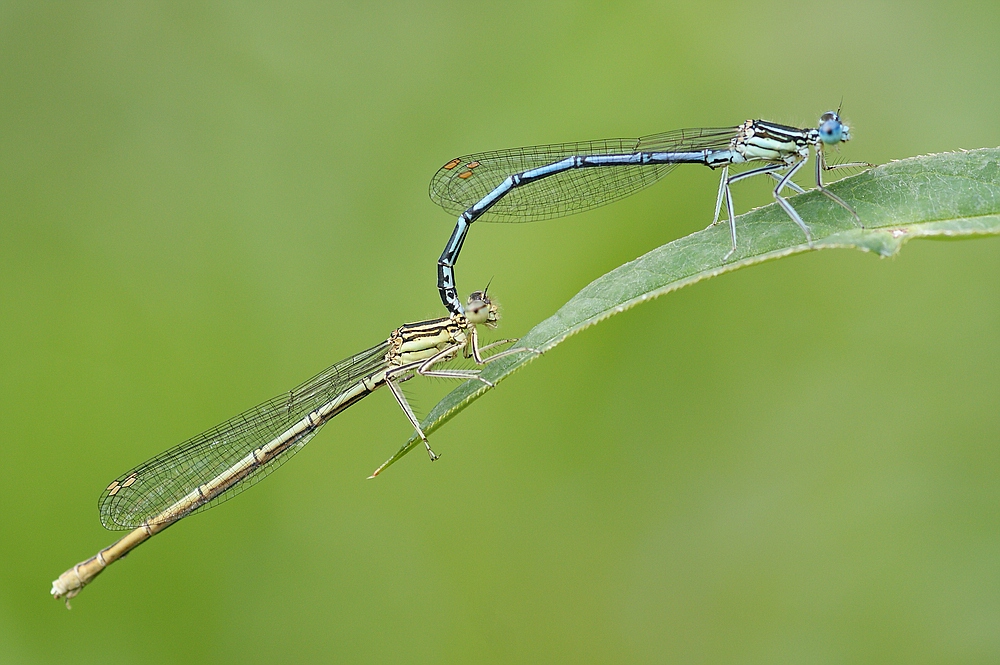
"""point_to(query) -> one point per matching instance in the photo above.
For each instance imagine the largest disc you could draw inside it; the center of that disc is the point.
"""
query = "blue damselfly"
(546, 181)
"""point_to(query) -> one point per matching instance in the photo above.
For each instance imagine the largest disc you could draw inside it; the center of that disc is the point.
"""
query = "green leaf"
(949, 195)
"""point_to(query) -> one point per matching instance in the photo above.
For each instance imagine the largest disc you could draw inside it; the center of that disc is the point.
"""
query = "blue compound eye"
(831, 131)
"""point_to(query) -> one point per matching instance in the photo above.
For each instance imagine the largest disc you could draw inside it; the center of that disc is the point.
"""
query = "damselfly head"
(832, 130)
(480, 310)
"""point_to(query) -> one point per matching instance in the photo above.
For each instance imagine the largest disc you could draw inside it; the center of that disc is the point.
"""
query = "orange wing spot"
(452, 164)
(128, 481)
(114, 491)
(112, 485)
(464, 174)
(471, 165)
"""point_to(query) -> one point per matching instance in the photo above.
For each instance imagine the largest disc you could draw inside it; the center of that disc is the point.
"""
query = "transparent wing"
(145, 492)
(465, 180)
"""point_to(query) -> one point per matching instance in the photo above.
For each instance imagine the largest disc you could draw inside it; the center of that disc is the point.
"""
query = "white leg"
(464, 374)
(791, 184)
(477, 350)
(497, 343)
(722, 189)
(511, 352)
(821, 166)
(758, 171)
(729, 199)
(424, 368)
(732, 223)
(846, 165)
(786, 206)
(397, 392)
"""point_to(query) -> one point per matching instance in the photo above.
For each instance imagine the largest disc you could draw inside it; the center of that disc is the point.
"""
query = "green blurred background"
(202, 204)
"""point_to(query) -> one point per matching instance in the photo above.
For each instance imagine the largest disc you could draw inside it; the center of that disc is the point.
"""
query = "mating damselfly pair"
(522, 184)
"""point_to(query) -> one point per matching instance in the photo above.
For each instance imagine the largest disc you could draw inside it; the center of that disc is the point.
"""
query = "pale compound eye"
(831, 131)
(477, 311)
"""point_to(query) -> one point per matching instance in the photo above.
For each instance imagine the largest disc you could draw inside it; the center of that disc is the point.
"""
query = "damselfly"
(220, 463)
(545, 181)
